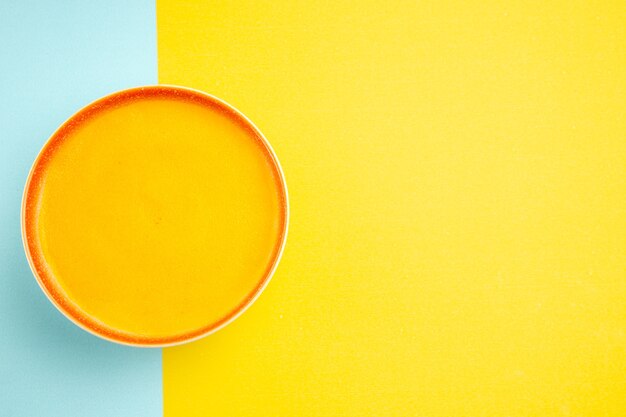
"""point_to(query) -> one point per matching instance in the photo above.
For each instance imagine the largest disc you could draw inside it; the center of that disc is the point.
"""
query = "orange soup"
(155, 215)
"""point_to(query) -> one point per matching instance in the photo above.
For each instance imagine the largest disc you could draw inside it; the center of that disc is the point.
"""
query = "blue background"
(56, 57)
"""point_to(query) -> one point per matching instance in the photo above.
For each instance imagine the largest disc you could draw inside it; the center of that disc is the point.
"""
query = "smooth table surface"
(56, 57)
(458, 237)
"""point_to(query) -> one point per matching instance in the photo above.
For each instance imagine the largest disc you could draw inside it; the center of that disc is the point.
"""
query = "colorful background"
(457, 174)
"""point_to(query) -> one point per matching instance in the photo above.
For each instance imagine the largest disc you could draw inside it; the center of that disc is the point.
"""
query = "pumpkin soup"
(154, 215)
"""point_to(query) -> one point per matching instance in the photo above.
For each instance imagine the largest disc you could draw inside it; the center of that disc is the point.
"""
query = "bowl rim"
(115, 335)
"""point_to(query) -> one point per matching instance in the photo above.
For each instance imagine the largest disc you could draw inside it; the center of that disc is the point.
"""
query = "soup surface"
(155, 215)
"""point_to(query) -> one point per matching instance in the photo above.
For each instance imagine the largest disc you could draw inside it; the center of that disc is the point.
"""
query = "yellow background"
(458, 237)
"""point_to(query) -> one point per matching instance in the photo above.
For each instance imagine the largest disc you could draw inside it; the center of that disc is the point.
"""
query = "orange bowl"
(50, 275)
